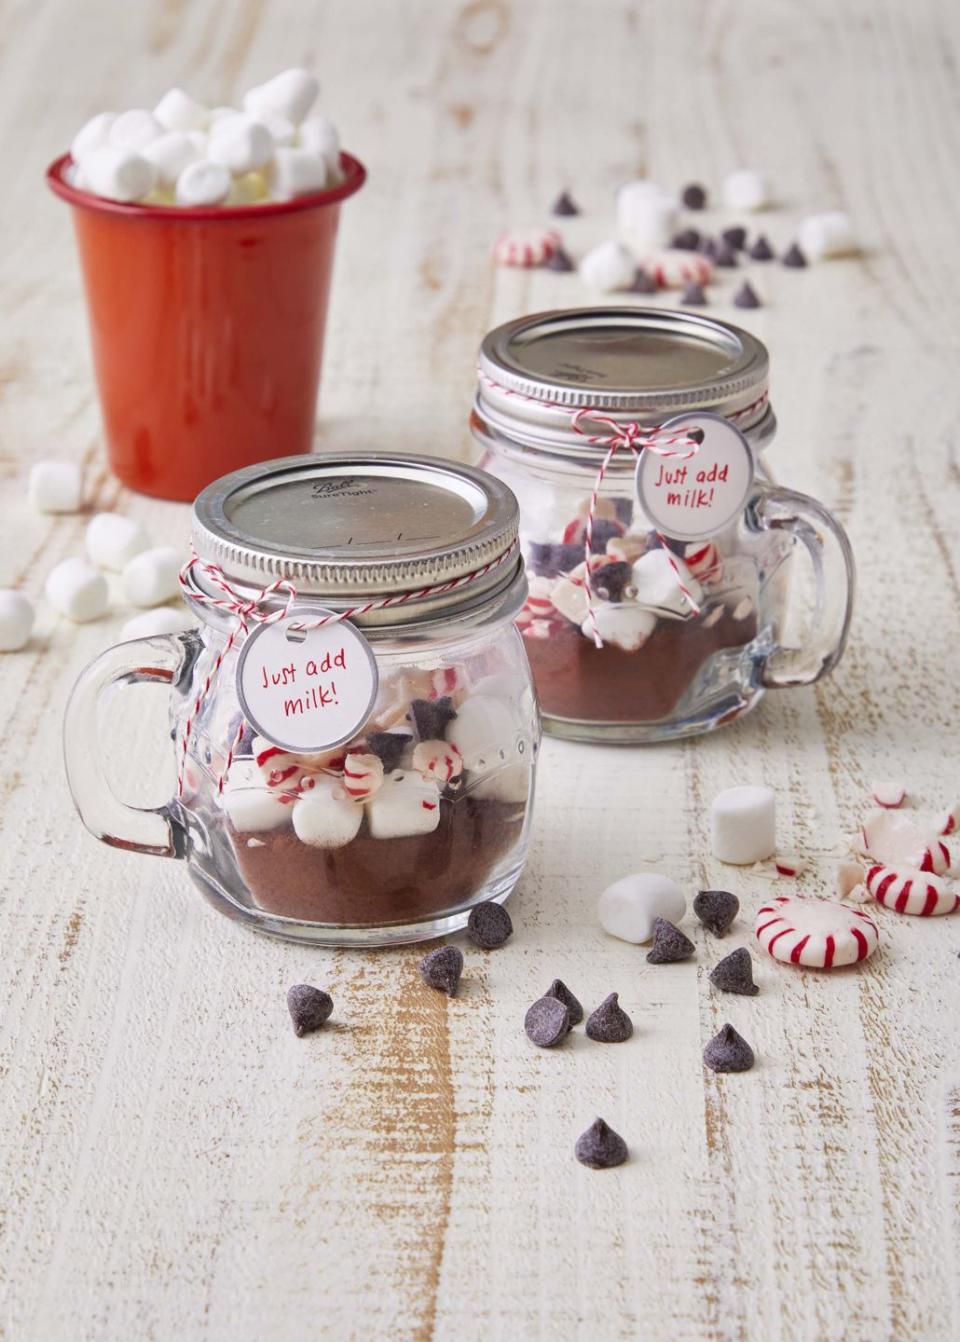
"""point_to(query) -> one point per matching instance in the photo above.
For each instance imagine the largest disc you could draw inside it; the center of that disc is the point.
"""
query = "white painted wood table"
(174, 1163)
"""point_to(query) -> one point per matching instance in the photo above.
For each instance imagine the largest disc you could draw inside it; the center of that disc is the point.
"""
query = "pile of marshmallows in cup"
(185, 154)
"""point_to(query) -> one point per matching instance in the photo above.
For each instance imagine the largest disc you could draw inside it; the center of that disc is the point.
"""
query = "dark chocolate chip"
(686, 241)
(624, 510)
(609, 1024)
(431, 717)
(547, 1022)
(728, 1052)
(643, 283)
(725, 256)
(564, 205)
(669, 944)
(693, 296)
(548, 560)
(694, 196)
(761, 250)
(600, 1147)
(716, 909)
(734, 974)
(746, 296)
(611, 581)
(388, 748)
(562, 993)
(736, 237)
(560, 261)
(442, 968)
(309, 1007)
(710, 248)
(489, 925)
(604, 529)
(794, 257)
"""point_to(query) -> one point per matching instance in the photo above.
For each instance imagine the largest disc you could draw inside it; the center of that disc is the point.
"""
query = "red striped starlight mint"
(916, 892)
(818, 933)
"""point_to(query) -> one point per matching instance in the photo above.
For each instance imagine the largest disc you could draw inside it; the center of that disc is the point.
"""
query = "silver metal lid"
(355, 528)
(645, 364)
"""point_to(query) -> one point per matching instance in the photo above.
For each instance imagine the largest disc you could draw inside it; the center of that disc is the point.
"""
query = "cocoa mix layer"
(379, 881)
(575, 679)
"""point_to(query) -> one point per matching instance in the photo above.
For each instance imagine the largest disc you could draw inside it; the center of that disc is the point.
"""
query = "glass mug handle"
(156, 830)
(828, 546)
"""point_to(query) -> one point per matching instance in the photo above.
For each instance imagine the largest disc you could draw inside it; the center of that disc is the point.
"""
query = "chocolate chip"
(761, 250)
(609, 1024)
(736, 237)
(746, 296)
(669, 944)
(489, 925)
(431, 717)
(309, 1007)
(604, 529)
(548, 560)
(794, 257)
(643, 283)
(547, 1022)
(694, 196)
(600, 1147)
(564, 205)
(734, 974)
(728, 1052)
(693, 296)
(562, 993)
(560, 261)
(686, 241)
(716, 909)
(611, 581)
(388, 748)
(442, 968)
(725, 256)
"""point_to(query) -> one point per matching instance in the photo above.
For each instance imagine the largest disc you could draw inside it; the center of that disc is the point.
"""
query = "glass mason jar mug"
(660, 636)
(346, 782)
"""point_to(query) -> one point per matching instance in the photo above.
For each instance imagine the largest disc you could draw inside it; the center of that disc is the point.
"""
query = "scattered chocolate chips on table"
(388, 748)
(761, 250)
(562, 993)
(734, 973)
(432, 717)
(688, 240)
(735, 237)
(694, 196)
(725, 256)
(746, 296)
(693, 296)
(489, 925)
(560, 261)
(564, 205)
(728, 1052)
(609, 1024)
(600, 1147)
(794, 257)
(716, 909)
(643, 283)
(309, 1007)
(547, 1022)
(669, 944)
(441, 969)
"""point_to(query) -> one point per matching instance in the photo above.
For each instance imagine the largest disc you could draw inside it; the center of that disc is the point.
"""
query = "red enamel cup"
(207, 328)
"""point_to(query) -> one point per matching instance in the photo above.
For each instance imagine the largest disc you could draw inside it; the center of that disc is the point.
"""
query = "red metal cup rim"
(354, 176)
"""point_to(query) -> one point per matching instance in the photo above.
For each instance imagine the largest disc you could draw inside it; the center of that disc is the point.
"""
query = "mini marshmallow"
(296, 172)
(134, 129)
(628, 908)
(250, 189)
(16, 621)
(325, 817)
(117, 174)
(488, 735)
(646, 217)
(199, 139)
(406, 804)
(319, 135)
(170, 154)
(291, 93)
(251, 807)
(176, 110)
(657, 577)
(163, 620)
(95, 134)
(240, 144)
(112, 541)
(621, 624)
(745, 189)
(203, 183)
(152, 576)
(824, 235)
(608, 267)
(281, 130)
(743, 825)
(75, 589)
(55, 487)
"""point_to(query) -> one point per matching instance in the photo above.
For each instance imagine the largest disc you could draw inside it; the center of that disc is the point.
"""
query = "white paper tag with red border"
(696, 498)
(306, 690)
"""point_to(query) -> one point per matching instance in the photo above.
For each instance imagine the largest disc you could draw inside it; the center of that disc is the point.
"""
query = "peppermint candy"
(818, 933)
(439, 761)
(673, 268)
(703, 560)
(901, 841)
(532, 247)
(362, 775)
(916, 892)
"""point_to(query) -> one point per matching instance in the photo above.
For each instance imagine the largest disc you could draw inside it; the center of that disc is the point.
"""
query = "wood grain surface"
(174, 1163)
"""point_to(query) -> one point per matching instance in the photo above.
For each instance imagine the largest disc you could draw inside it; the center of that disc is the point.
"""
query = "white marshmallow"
(251, 807)
(646, 217)
(199, 139)
(117, 174)
(16, 621)
(55, 487)
(112, 541)
(203, 183)
(488, 733)
(627, 909)
(608, 267)
(325, 817)
(240, 144)
(746, 189)
(657, 576)
(75, 589)
(743, 825)
(218, 113)
(170, 154)
(95, 134)
(250, 189)
(406, 804)
(828, 234)
(152, 576)
(134, 129)
(163, 620)
(291, 93)
(281, 130)
(176, 110)
(296, 172)
(621, 623)
(319, 135)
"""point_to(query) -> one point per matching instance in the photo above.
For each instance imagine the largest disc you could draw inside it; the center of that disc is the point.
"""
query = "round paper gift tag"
(694, 498)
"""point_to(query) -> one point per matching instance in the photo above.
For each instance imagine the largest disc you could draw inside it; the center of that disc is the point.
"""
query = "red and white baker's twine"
(249, 610)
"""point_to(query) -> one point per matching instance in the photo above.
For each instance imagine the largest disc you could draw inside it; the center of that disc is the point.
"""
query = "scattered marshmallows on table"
(184, 154)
